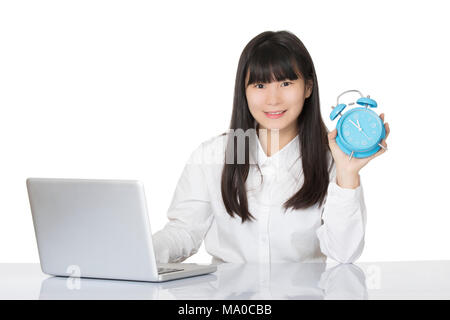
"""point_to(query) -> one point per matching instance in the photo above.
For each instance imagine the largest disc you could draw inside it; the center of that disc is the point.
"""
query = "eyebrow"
(284, 80)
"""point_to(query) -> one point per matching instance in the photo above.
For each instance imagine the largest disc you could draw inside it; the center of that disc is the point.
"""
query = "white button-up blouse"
(335, 230)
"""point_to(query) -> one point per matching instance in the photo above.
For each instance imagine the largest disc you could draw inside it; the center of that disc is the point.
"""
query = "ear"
(308, 89)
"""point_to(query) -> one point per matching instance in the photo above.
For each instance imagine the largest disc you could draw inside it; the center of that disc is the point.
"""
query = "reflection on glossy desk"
(317, 281)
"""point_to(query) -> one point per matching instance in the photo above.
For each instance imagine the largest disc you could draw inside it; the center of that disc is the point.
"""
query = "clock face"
(360, 129)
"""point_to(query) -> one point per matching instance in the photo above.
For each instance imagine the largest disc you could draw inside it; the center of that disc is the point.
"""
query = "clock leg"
(350, 158)
(383, 147)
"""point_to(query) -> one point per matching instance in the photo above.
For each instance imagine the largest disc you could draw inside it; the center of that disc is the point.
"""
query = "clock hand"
(354, 124)
(360, 129)
(364, 133)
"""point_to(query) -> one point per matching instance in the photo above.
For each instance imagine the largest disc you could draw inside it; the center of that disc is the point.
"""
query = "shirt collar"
(284, 158)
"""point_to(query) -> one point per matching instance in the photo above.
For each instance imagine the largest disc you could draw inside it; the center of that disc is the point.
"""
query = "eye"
(257, 85)
(287, 82)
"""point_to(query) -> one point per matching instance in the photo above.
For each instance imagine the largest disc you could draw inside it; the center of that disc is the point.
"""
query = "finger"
(384, 144)
(332, 137)
(379, 152)
(386, 128)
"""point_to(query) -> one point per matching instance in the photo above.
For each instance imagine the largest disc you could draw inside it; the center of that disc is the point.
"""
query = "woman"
(288, 193)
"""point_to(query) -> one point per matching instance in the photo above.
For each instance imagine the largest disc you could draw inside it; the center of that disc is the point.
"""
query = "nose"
(272, 94)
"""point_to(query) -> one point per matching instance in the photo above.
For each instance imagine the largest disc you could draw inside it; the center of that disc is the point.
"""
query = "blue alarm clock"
(359, 130)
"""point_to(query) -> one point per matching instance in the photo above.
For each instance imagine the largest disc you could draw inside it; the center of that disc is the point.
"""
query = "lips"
(275, 114)
(272, 112)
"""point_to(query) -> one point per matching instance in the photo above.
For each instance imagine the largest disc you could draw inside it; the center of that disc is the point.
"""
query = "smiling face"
(287, 96)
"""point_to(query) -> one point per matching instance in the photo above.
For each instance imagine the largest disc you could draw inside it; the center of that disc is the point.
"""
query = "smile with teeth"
(275, 114)
(278, 112)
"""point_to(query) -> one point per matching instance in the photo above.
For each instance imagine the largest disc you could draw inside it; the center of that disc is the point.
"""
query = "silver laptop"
(98, 229)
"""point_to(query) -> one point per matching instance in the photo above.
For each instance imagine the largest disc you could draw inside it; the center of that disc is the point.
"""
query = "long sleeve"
(189, 214)
(341, 235)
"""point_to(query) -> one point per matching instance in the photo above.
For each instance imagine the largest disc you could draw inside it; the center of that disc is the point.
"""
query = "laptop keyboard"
(167, 270)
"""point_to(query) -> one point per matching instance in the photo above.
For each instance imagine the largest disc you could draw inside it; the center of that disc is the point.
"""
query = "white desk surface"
(375, 280)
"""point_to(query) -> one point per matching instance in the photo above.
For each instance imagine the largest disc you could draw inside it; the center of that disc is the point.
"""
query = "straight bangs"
(275, 57)
(272, 63)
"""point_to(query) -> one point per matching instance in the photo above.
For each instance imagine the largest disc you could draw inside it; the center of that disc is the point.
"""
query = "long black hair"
(268, 57)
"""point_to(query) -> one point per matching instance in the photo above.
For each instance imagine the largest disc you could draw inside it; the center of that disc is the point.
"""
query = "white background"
(128, 89)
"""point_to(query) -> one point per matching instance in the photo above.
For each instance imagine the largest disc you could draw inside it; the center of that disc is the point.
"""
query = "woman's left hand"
(347, 172)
